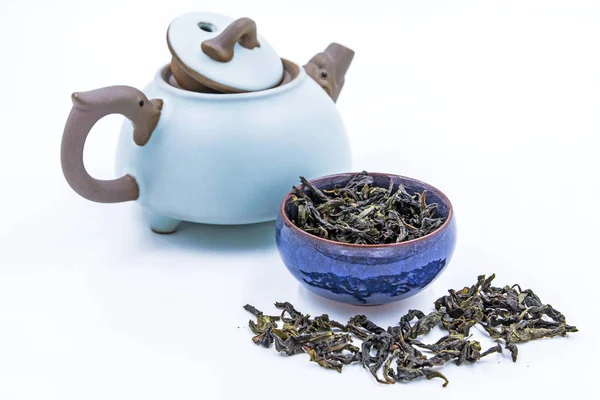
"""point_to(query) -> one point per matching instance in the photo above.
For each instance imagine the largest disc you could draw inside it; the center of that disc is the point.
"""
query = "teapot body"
(230, 158)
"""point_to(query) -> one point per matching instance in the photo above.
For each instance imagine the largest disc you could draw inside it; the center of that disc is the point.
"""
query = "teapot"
(214, 157)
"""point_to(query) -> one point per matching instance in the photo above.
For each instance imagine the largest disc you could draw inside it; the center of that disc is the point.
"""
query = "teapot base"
(163, 225)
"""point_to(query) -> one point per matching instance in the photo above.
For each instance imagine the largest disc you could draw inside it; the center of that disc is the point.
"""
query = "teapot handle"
(89, 108)
(242, 31)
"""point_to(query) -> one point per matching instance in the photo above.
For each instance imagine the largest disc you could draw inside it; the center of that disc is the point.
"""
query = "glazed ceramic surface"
(231, 158)
(366, 274)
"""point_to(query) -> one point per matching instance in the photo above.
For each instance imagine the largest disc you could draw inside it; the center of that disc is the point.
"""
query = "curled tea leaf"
(361, 213)
(508, 314)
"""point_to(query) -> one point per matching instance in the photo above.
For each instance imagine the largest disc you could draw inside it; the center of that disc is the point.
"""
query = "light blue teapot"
(216, 158)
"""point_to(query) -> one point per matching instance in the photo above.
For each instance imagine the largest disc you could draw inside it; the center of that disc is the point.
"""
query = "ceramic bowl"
(366, 274)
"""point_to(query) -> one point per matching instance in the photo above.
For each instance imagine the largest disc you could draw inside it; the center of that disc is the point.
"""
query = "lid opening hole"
(207, 27)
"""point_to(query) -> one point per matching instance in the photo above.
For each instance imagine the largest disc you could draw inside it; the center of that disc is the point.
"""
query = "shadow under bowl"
(366, 274)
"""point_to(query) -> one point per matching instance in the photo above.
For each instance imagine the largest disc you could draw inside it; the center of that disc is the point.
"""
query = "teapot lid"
(224, 54)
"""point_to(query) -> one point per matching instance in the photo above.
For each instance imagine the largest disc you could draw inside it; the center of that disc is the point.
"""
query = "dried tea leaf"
(362, 214)
(508, 314)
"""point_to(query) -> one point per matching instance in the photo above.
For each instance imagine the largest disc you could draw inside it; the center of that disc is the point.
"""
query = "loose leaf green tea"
(361, 213)
(396, 354)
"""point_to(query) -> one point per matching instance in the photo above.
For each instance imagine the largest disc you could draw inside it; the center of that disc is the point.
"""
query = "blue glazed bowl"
(366, 274)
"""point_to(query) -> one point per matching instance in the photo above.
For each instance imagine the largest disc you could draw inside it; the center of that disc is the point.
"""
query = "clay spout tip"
(342, 57)
(329, 68)
(340, 48)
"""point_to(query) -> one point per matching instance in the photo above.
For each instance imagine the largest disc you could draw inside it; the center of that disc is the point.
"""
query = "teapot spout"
(329, 68)
(342, 58)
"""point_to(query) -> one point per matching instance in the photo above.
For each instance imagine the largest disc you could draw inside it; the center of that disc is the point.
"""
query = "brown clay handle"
(89, 108)
(242, 31)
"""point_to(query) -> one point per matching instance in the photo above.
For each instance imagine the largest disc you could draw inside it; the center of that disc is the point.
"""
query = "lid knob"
(223, 54)
(242, 31)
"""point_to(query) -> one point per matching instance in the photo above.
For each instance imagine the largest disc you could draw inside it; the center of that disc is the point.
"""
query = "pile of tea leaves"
(508, 314)
(361, 213)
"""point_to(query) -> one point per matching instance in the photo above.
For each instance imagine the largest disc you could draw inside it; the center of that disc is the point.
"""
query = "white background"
(495, 103)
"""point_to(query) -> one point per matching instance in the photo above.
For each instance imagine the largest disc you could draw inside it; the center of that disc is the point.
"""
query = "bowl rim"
(428, 186)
